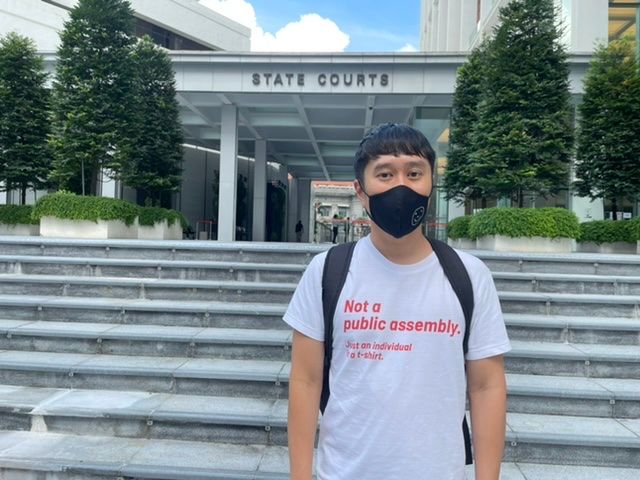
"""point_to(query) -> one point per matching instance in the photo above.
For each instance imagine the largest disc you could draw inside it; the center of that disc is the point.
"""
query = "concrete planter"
(462, 243)
(500, 243)
(613, 247)
(160, 231)
(103, 229)
(22, 229)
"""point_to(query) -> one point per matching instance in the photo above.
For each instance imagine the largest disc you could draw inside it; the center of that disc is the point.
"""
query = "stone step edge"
(25, 460)
(154, 406)
(288, 247)
(183, 367)
(292, 268)
(267, 309)
(140, 262)
(230, 284)
(147, 282)
(200, 335)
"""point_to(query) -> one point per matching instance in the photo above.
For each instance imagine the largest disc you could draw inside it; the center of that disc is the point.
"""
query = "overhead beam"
(195, 110)
(303, 115)
(245, 120)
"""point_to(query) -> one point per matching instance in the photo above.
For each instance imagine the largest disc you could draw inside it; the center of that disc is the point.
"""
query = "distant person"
(347, 227)
(299, 231)
(335, 222)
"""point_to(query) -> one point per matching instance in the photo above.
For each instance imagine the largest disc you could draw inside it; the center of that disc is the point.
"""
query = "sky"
(326, 25)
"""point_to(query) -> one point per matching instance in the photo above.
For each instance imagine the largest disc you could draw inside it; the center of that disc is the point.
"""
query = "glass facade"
(434, 123)
(623, 19)
(165, 38)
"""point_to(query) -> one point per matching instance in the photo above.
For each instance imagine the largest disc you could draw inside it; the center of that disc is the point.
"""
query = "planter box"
(462, 243)
(500, 243)
(21, 229)
(160, 231)
(614, 247)
(103, 229)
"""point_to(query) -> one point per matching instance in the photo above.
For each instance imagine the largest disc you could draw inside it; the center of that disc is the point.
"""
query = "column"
(304, 209)
(292, 210)
(228, 174)
(260, 191)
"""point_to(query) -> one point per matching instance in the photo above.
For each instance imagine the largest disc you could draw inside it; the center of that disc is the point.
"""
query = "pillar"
(260, 191)
(228, 174)
(304, 209)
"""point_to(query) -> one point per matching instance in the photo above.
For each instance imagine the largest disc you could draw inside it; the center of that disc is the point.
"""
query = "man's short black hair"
(391, 139)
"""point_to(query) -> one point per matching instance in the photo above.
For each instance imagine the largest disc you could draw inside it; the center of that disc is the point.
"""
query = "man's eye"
(415, 174)
(384, 175)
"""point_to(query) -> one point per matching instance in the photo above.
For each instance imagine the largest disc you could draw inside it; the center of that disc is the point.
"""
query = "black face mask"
(398, 211)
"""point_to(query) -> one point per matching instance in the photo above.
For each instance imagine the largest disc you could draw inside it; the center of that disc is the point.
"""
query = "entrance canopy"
(312, 110)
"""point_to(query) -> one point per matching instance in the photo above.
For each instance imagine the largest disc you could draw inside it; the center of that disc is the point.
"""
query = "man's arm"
(305, 386)
(488, 401)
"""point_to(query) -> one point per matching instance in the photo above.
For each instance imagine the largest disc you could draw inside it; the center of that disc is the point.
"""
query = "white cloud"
(310, 33)
(408, 48)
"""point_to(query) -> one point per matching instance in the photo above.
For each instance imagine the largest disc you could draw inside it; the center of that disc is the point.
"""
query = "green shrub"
(459, 227)
(609, 231)
(151, 215)
(75, 207)
(525, 222)
(17, 214)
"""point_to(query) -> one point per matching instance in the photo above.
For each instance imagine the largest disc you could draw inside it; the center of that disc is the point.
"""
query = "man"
(299, 230)
(397, 376)
(335, 223)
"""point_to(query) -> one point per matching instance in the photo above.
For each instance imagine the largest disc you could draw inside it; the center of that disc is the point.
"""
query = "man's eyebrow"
(410, 164)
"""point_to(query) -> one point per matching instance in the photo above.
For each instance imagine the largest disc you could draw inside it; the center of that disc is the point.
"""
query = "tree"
(25, 160)
(523, 137)
(459, 183)
(94, 94)
(608, 147)
(155, 164)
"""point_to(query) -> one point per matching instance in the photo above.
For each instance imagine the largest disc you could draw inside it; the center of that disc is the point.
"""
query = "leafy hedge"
(150, 215)
(525, 222)
(609, 231)
(75, 207)
(459, 227)
(16, 214)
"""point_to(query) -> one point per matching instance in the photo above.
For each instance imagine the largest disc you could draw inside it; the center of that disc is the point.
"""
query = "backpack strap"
(458, 277)
(336, 267)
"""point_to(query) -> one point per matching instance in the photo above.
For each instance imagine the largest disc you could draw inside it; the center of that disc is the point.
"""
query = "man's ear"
(358, 186)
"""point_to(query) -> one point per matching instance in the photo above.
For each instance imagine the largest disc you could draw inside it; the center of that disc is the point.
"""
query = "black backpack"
(334, 275)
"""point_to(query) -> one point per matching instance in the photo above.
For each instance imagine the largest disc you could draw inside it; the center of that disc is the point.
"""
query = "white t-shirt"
(397, 376)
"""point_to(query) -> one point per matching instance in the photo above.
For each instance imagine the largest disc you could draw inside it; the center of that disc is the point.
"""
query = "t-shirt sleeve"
(488, 336)
(304, 312)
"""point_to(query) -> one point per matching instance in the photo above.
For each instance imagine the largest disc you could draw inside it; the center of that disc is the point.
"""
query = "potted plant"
(458, 233)
(65, 214)
(550, 230)
(608, 236)
(156, 223)
(16, 220)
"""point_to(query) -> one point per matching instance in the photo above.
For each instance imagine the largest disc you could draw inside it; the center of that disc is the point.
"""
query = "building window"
(166, 38)
(623, 19)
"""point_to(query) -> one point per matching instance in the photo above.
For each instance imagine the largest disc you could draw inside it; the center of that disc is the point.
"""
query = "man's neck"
(407, 250)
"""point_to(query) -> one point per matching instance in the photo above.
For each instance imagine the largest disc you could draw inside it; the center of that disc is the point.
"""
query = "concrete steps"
(72, 457)
(158, 346)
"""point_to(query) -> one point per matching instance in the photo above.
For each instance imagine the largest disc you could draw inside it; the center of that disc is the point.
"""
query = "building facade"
(458, 26)
(260, 127)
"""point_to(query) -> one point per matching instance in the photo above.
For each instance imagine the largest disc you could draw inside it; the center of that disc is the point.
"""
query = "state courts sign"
(321, 80)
